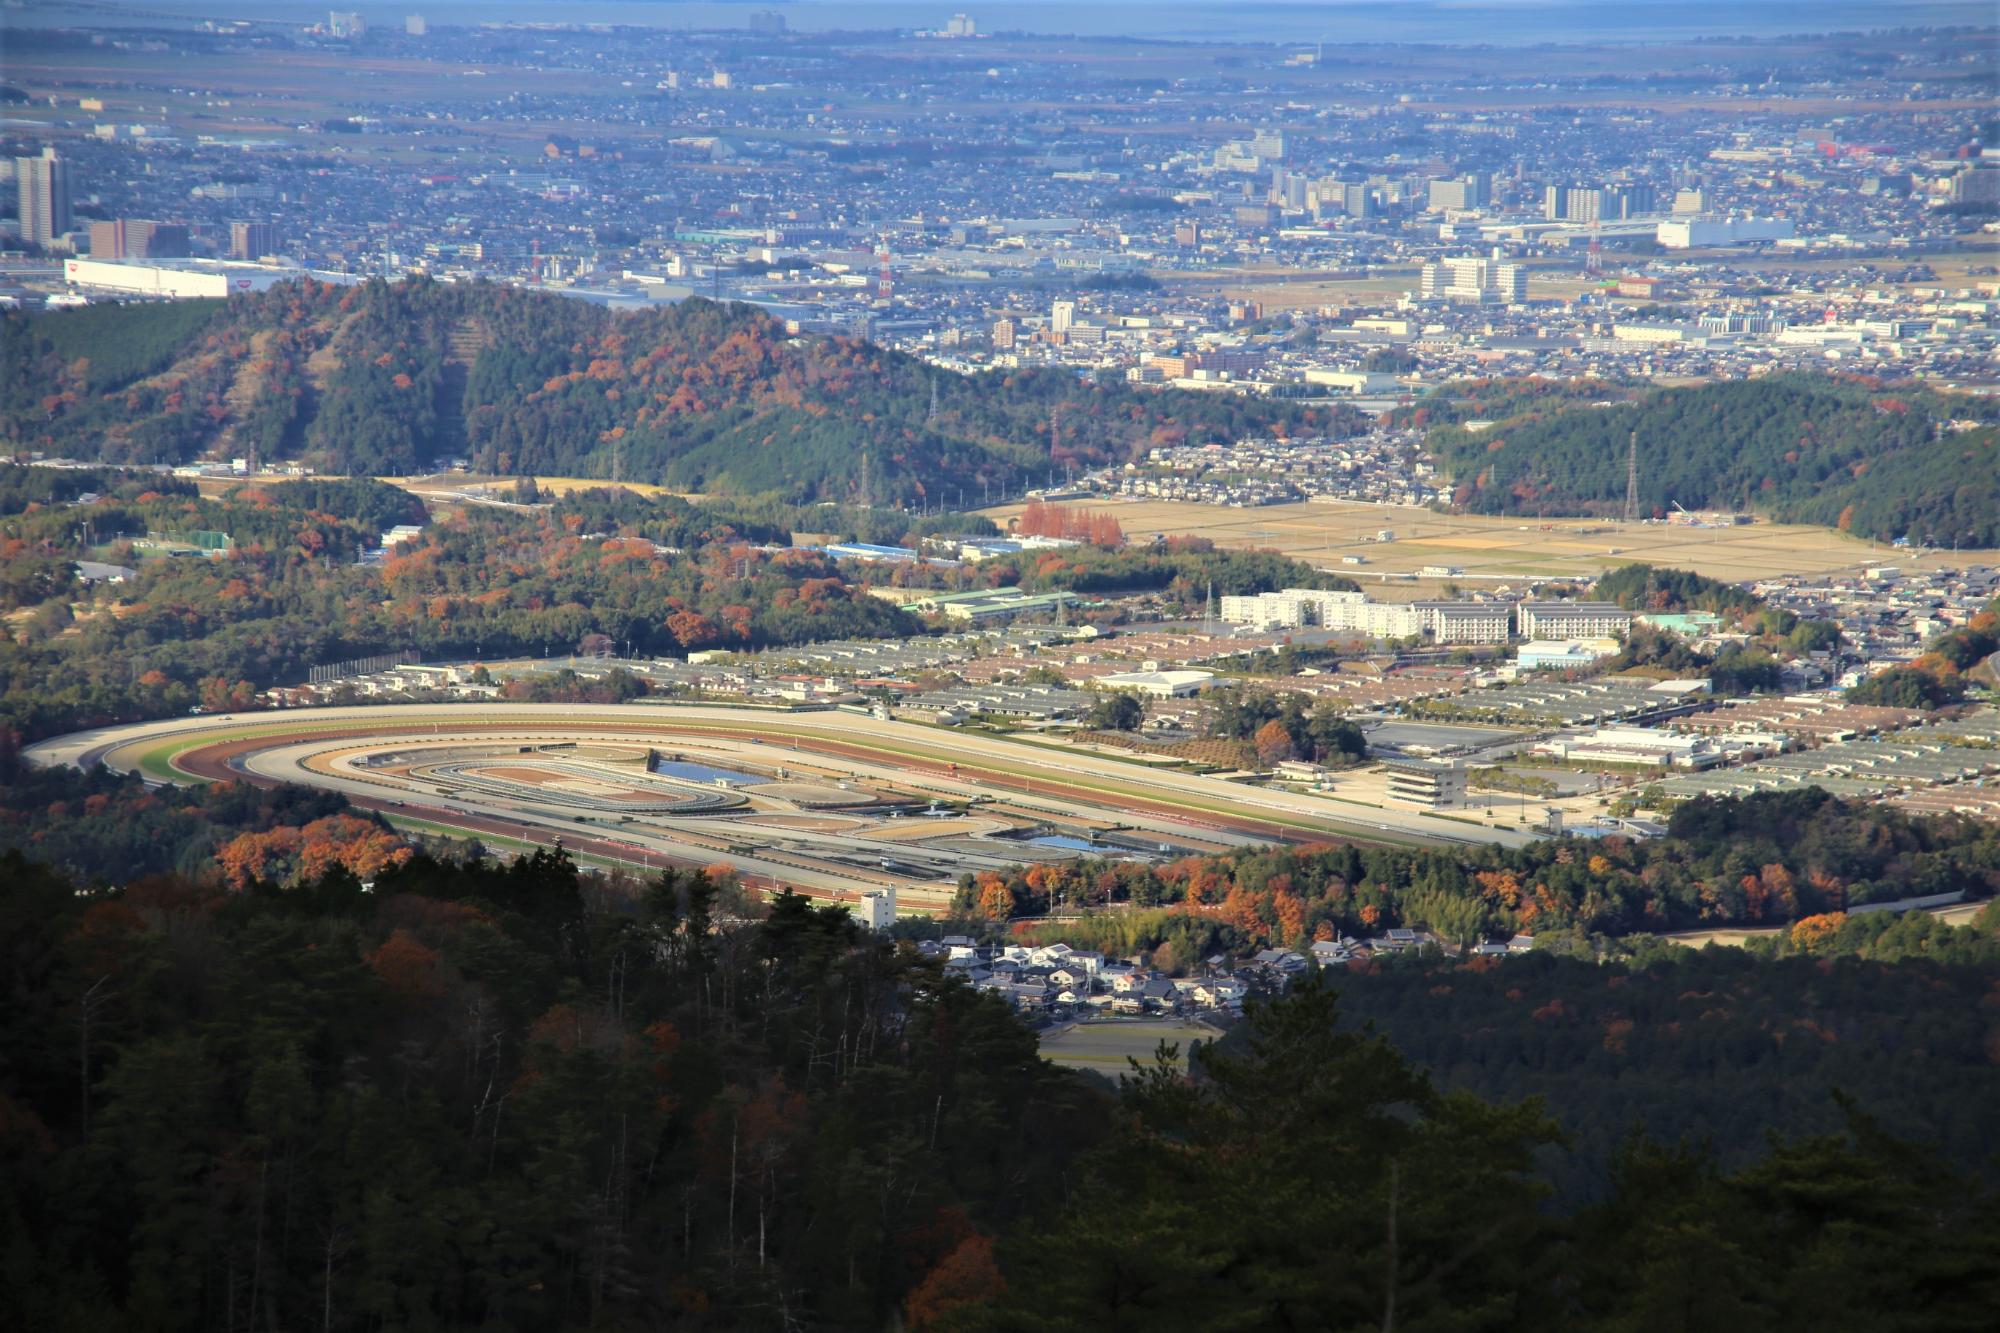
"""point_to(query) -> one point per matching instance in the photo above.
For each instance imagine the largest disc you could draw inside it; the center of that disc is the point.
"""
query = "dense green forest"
(507, 1096)
(1881, 462)
(1712, 1046)
(384, 378)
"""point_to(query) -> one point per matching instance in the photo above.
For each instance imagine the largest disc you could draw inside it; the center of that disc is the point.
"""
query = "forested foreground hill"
(489, 1096)
(1881, 462)
(698, 396)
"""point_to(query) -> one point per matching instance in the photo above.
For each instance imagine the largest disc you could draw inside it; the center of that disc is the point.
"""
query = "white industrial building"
(1637, 745)
(1689, 233)
(1563, 654)
(181, 281)
(1159, 684)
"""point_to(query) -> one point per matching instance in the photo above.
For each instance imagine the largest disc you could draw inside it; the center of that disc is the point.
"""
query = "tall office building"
(1608, 203)
(252, 240)
(138, 238)
(1061, 316)
(416, 26)
(1474, 189)
(44, 196)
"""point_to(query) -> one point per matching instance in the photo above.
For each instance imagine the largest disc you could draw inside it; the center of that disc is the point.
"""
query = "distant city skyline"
(1493, 22)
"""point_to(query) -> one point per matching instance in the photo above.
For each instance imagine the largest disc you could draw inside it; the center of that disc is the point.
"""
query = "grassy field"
(1104, 1047)
(1490, 550)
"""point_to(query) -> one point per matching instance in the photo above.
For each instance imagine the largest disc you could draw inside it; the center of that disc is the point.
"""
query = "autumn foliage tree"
(1093, 527)
(287, 854)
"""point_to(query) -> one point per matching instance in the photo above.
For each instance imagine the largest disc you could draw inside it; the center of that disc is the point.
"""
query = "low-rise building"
(1432, 786)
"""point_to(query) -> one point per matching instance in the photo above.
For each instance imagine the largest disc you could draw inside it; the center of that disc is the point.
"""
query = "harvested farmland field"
(1490, 548)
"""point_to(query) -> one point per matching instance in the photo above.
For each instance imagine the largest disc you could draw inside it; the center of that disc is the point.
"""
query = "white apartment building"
(1572, 620)
(1467, 622)
(1299, 608)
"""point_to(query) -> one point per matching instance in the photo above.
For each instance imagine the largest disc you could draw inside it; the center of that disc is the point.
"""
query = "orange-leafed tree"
(996, 901)
(1274, 744)
(1814, 932)
(967, 1276)
(408, 968)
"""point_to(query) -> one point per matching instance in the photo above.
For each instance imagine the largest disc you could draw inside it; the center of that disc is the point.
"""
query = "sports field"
(1104, 1047)
(1490, 550)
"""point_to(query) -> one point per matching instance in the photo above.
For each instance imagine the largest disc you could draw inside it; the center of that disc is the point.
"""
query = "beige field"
(1106, 1047)
(1493, 550)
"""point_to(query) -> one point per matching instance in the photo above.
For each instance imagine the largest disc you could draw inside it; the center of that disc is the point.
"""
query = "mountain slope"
(698, 396)
(1804, 448)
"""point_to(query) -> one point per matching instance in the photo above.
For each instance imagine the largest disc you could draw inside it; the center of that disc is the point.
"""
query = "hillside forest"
(385, 379)
(1882, 461)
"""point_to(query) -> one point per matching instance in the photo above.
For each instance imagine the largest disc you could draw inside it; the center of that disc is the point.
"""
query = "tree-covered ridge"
(698, 396)
(1879, 462)
(1769, 859)
(1459, 401)
(1647, 588)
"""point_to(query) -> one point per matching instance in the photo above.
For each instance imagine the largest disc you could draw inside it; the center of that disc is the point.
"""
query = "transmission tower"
(931, 416)
(1632, 479)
